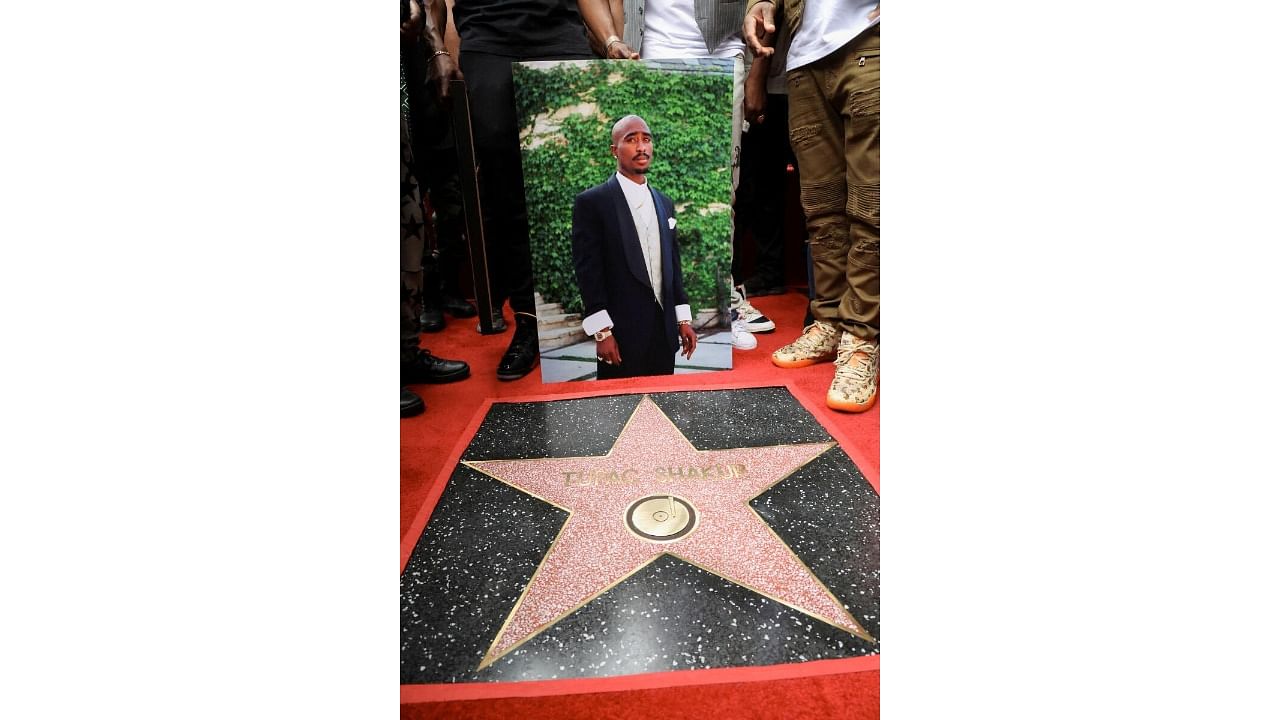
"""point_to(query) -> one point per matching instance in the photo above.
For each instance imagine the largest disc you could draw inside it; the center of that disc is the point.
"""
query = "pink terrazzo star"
(595, 550)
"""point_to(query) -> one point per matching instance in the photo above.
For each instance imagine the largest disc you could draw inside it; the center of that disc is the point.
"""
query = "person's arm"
(756, 92)
(618, 13)
(758, 28)
(604, 25)
(441, 66)
(588, 267)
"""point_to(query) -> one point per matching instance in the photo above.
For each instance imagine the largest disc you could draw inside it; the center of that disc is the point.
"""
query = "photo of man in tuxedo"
(627, 265)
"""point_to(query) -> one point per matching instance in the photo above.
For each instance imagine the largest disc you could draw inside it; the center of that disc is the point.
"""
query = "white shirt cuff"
(682, 313)
(596, 322)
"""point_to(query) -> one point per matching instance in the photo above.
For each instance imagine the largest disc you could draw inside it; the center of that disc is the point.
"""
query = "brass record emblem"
(661, 518)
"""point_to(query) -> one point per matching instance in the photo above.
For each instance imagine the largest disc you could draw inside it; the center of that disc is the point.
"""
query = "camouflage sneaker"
(857, 370)
(817, 344)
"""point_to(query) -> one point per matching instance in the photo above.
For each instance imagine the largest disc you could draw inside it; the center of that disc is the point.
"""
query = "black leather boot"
(423, 367)
(431, 320)
(522, 354)
(410, 403)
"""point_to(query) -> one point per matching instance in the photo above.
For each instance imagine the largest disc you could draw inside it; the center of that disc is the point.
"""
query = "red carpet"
(852, 695)
(427, 440)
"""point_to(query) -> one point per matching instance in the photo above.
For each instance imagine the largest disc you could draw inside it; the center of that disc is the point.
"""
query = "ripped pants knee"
(829, 239)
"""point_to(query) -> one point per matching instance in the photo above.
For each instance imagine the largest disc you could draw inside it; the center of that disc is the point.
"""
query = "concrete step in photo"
(573, 324)
(546, 322)
(552, 338)
(550, 317)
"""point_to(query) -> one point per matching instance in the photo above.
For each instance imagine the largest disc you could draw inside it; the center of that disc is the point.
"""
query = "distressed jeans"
(835, 134)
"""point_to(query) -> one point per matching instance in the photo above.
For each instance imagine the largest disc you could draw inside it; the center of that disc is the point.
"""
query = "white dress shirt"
(645, 217)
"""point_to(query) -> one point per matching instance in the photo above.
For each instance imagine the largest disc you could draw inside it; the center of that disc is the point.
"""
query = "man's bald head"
(630, 123)
(632, 146)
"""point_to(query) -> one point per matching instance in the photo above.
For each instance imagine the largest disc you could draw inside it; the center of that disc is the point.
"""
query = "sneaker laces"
(815, 336)
(862, 371)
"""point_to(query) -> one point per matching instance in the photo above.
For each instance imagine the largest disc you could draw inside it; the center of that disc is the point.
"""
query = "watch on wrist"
(605, 333)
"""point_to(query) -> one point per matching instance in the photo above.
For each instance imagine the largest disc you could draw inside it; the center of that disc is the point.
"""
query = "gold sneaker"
(817, 344)
(857, 370)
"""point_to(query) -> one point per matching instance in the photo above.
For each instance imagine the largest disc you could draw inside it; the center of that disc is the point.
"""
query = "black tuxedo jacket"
(610, 266)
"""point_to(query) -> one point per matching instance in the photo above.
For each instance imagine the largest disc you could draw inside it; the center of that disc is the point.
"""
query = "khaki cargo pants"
(835, 134)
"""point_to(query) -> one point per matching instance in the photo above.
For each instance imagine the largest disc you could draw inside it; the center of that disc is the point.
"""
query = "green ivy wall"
(566, 114)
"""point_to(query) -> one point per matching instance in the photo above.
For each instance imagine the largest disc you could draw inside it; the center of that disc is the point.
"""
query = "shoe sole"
(516, 376)
(851, 407)
(413, 410)
(806, 362)
(761, 328)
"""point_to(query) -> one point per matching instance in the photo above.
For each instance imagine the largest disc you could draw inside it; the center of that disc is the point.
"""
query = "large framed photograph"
(568, 113)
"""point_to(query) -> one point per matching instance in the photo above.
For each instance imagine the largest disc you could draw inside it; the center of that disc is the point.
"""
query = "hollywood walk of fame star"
(654, 493)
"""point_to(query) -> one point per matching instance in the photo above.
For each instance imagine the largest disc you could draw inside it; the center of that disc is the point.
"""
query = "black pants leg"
(497, 144)
(766, 150)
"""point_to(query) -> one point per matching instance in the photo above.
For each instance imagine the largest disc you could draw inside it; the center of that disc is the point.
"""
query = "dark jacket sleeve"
(677, 274)
(588, 252)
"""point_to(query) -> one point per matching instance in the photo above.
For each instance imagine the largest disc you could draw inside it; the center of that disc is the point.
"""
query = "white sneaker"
(753, 320)
(742, 339)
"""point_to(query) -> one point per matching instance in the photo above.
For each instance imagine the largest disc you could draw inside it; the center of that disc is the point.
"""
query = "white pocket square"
(671, 223)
